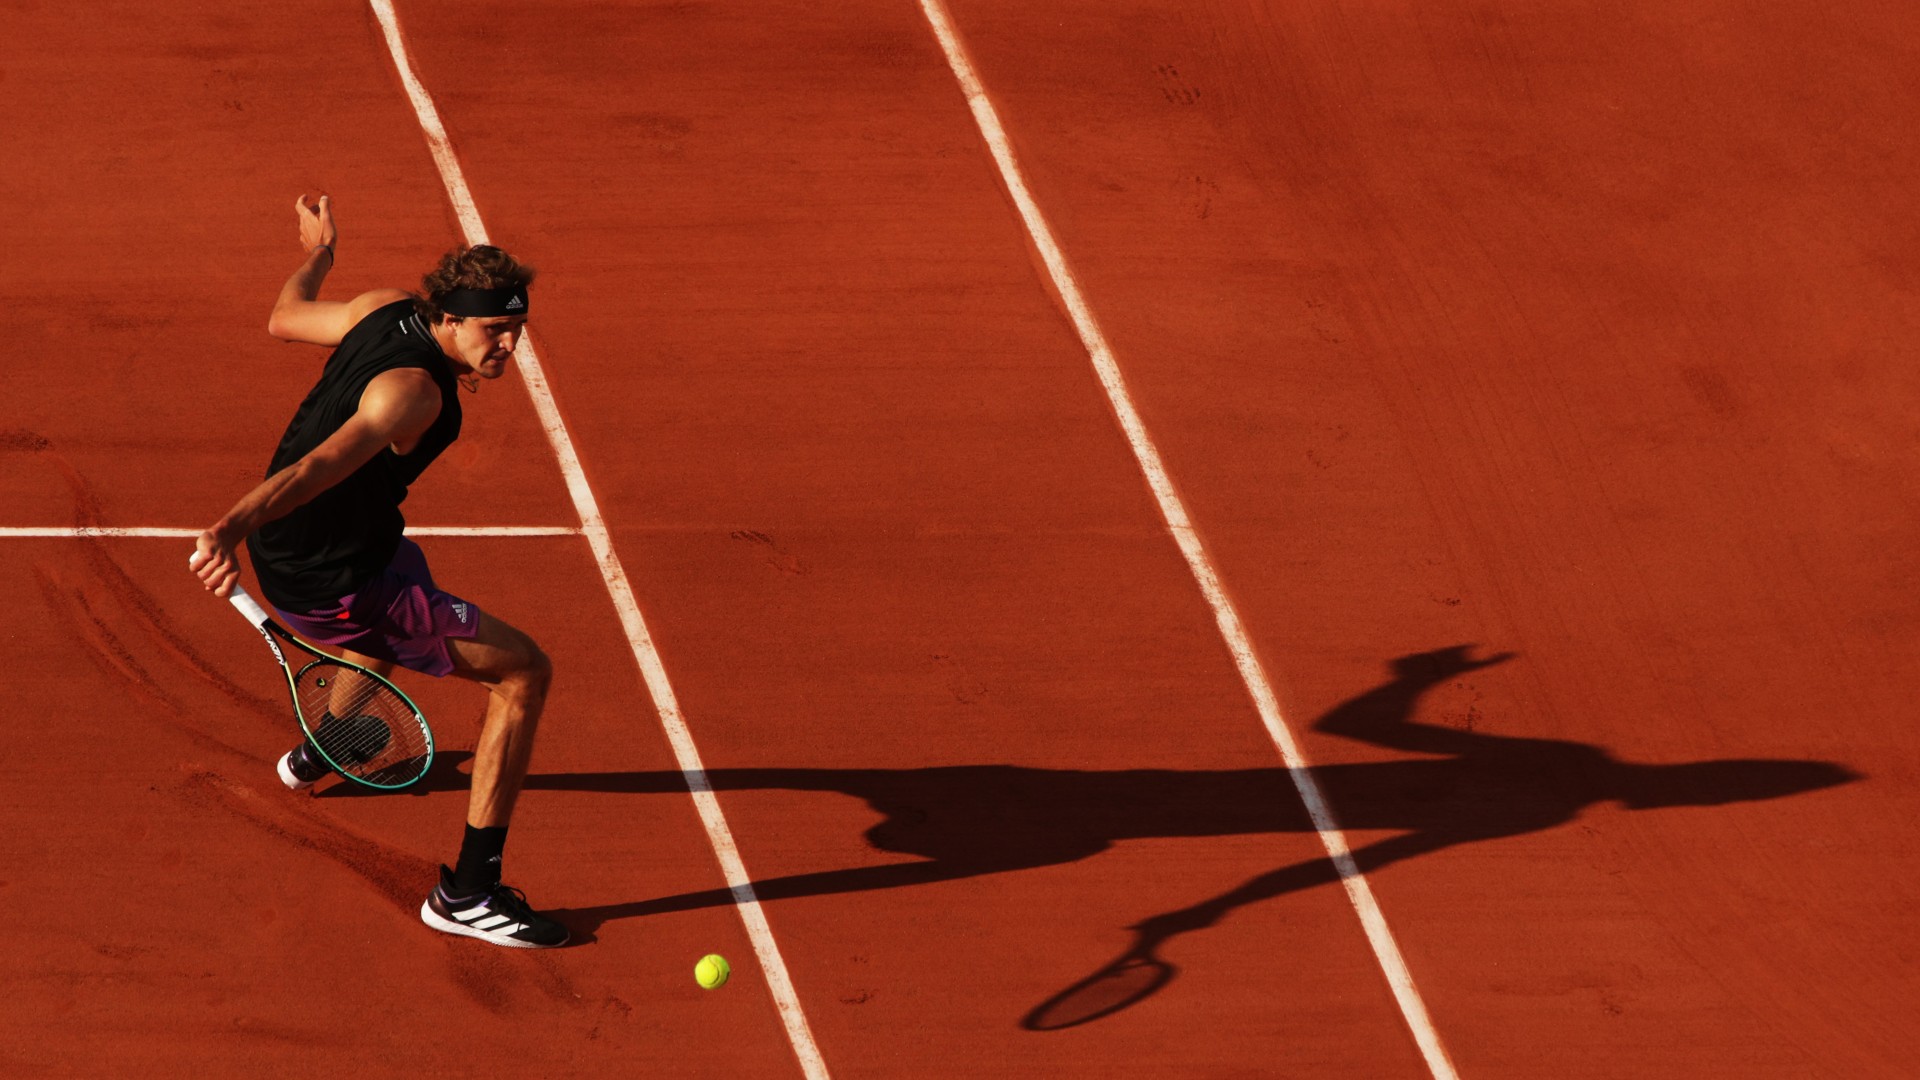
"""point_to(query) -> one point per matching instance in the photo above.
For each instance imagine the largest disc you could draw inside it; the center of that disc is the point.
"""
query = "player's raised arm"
(298, 314)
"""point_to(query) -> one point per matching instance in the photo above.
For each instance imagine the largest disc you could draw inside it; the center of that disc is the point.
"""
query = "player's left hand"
(214, 564)
(316, 222)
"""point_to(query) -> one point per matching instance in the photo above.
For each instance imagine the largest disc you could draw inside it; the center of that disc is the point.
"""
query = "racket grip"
(248, 606)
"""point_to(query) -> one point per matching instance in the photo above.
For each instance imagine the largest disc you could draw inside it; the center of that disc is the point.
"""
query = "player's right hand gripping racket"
(361, 724)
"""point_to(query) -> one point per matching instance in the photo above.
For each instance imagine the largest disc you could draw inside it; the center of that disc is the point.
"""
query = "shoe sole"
(285, 768)
(448, 926)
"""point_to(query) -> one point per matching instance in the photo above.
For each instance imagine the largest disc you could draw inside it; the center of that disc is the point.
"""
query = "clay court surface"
(1537, 376)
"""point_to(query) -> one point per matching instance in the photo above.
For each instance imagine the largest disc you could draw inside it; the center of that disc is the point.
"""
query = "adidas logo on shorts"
(460, 612)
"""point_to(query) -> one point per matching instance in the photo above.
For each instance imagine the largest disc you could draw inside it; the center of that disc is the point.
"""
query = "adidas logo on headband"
(516, 304)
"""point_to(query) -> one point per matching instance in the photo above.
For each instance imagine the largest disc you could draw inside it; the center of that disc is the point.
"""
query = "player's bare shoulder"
(367, 303)
(409, 388)
(401, 403)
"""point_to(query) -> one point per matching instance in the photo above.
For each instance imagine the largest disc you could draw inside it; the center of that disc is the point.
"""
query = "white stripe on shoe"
(501, 936)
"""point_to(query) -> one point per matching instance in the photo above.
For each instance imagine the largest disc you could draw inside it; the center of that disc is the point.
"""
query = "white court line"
(1359, 894)
(75, 532)
(615, 576)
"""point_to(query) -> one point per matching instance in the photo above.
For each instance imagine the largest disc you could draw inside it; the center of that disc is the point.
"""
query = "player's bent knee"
(538, 669)
(531, 674)
(538, 662)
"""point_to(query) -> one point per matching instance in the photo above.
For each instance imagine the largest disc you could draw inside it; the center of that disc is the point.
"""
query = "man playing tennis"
(324, 531)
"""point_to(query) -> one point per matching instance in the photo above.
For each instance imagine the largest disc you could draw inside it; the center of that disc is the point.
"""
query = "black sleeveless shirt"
(337, 543)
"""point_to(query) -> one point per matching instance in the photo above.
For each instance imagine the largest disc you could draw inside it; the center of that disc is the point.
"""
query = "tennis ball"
(712, 971)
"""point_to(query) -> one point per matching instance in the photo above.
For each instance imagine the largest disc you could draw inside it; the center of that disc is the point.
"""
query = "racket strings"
(361, 724)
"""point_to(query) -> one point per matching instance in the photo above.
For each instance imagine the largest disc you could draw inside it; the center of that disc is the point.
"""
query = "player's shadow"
(1464, 787)
(447, 773)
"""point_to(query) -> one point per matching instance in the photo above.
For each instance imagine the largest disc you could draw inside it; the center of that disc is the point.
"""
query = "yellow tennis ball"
(712, 971)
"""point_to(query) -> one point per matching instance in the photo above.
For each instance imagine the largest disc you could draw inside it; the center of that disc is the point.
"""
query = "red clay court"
(988, 445)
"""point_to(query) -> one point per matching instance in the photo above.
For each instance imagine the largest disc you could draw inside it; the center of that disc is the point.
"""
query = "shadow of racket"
(1137, 975)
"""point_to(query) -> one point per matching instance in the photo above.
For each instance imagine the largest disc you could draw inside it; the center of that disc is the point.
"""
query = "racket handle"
(248, 606)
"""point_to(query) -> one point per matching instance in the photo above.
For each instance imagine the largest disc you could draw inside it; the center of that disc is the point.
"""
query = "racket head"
(361, 724)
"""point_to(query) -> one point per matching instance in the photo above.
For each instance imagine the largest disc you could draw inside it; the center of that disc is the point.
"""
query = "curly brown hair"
(481, 266)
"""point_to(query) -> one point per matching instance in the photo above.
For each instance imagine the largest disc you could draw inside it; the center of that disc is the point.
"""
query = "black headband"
(483, 303)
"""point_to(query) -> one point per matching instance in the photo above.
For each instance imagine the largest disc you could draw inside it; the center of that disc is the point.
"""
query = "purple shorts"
(400, 616)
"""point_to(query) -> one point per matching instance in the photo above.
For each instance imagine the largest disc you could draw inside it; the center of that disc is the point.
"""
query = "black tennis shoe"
(499, 915)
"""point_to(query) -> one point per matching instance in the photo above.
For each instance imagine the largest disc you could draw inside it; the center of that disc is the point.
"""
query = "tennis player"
(324, 531)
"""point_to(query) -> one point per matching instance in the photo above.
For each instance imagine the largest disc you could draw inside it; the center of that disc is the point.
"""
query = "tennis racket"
(360, 723)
